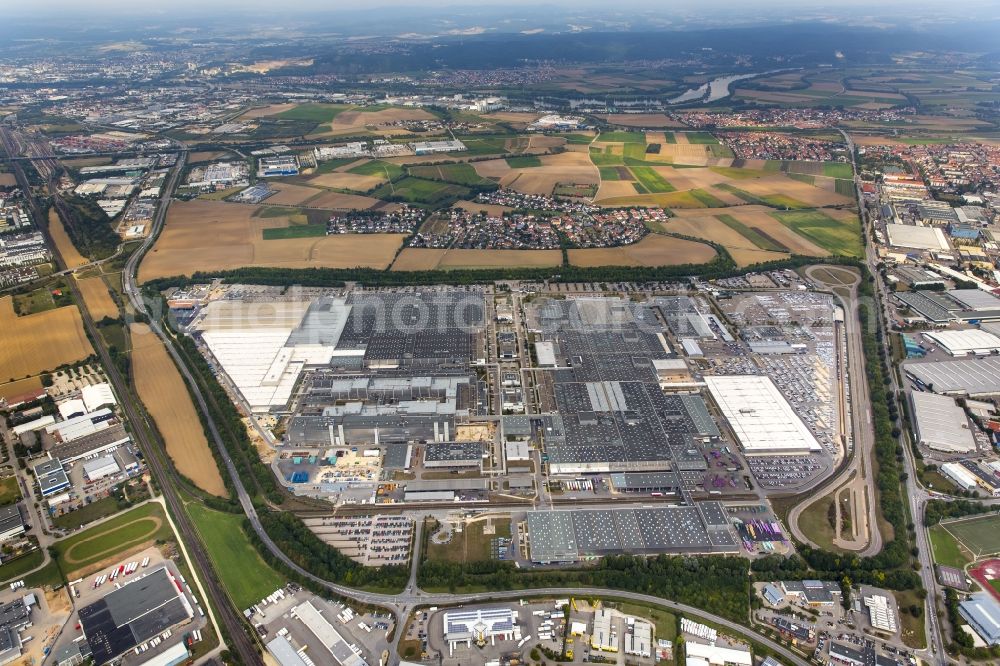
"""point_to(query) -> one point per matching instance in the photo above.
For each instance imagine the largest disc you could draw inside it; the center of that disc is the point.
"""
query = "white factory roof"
(701, 654)
(72, 407)
(918, 238)
(964, 342)
(976, 299)
(759, 414)
(941, 424)
(96, 396)
(545, 351)
(328, 636)
(959, 474)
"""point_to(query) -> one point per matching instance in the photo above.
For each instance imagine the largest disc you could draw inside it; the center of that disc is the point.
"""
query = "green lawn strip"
(113, 536)
(329, 166)
(524, 161)
(701, 138)
(803, 178)
(10, 490)
(622, 137)
(838, 170)
(836, 237)
(736, 173)
(247, 578)
(946, 549)
(296, 231)
(706, 198)
(651, 180)
(377, 168)
(103, 507)
(15, 569)
(752, 235)
(609, 173)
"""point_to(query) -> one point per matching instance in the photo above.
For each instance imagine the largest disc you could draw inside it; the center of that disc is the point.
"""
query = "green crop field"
(635, 151)
(462, 173)
(317, 113)
(844, 187)
(578, 139)
(981, 535)
(841, 238)
(485, 144)
(838, 170)
(736, 173)
(670, 137)
(701, 138)
(622, 137)
(803, 177)
(651, 180)
(295, 231)
(377, 168)
(418, 190)
(772, 200)
(604, 157)
(523, 162)
(132, 528)
(247, 578)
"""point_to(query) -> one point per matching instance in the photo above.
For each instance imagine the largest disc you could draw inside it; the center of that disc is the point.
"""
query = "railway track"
(238, 638)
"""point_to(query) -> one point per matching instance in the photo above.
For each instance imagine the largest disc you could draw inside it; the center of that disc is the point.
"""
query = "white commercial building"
(965, 342)
(918, 238)
(638, 637)
(98, 468)
(331, 639)
(960, 476)
(881, 613)
(480, 626)
(96, 396)
(603, 636)
(940, 424)
(699, 654)
(761, 417)
(71, 408)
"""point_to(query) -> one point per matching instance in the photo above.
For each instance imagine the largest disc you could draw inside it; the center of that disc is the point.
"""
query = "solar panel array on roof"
(570, 535)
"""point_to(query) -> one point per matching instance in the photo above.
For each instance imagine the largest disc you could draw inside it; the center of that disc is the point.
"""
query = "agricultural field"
(461, 174)
(622, 137)
(39, 342)
(264, 111)
(377, 168)
(20, 387)
(751, 234)
(97, 298)
(427, 259)
(129, 532)
(642, 120)
(165, 395)
(523, 161)
(837, 236)
(421, 191)
(650, 181)
(563, 168)
(211, 235)
(70, 255)
(359, 121)
(653, 250)
(243, 572)
(317, 113)
(347, 181)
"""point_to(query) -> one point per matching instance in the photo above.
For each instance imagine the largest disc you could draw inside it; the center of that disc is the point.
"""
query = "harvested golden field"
(656, 137)
(38, 342)
(425, 259)
(347, 181)
(213, 235)
(290, 194)
(8, 180)
(569, 167)
(568, 159)
(779, 184)
(489, 209)
(681, 138)
(642, 120)
(358, 122)
(492, 168)
(20, 387)
(541, 141)
(97, 298)
(614, 189)
(708, 226)
(514, 118)
(70, 256)
(270, 110)
(165, 395)
(653, 250)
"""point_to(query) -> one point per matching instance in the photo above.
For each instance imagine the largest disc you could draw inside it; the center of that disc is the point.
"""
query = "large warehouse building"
(760, 415)
(966, 342)
(941, 424)
(132, 615)
(971, 377)
(917, 238)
